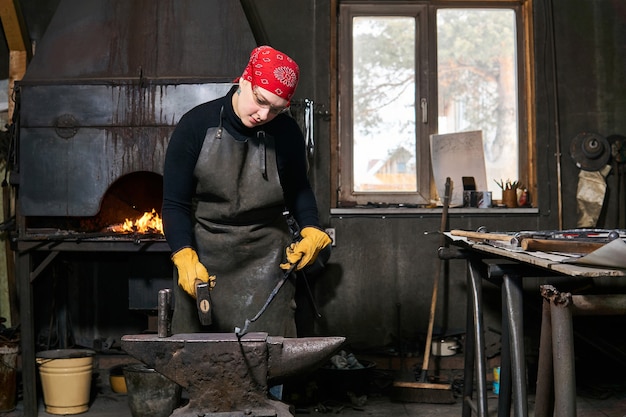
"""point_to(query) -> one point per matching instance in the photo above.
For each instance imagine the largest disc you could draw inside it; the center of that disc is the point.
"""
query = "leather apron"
(241, 235)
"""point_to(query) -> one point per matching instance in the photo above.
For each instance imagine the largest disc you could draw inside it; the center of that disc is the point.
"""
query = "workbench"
(508, 268)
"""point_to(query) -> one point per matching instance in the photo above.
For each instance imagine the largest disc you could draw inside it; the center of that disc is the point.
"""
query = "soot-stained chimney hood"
(121, 39)
(108, 83)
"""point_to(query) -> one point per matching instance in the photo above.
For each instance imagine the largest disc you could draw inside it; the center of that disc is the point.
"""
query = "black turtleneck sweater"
(179, 182)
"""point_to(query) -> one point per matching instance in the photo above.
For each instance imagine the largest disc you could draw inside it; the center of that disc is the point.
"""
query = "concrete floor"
(109, 404)
(311, 396)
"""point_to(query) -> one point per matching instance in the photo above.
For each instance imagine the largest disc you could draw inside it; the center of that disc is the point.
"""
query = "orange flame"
(150, 222)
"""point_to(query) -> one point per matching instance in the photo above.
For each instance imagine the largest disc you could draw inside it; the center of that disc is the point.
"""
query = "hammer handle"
(203, 302)
(560, 245)
(482, 236)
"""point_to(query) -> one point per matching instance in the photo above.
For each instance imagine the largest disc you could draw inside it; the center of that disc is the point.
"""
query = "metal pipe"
(475, 285)
(514, 298)
(544, 396)
(504, 397)
(563, 356)
(470, 349)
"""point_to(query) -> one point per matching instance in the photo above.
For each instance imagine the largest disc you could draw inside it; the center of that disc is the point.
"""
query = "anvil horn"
(289, 357)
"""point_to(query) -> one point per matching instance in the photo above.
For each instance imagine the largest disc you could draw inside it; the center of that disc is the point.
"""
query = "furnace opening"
(127, 198)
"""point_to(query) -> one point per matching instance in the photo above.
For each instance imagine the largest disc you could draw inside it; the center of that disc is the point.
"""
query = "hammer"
(203, 302)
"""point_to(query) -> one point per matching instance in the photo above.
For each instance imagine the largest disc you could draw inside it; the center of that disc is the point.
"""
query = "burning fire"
(150, 222)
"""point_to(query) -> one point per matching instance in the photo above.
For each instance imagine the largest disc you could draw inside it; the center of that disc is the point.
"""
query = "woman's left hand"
(305, 251)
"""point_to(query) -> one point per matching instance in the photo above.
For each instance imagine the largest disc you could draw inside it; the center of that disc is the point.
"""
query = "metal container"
(445, 347)
(8, 375)
(150, 394)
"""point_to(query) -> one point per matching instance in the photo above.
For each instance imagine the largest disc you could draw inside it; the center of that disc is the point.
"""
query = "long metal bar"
(504, 398)
(470, 352)
(239, 331)
(544, 396)
(475, 286)
(114, 245)
(514, 295)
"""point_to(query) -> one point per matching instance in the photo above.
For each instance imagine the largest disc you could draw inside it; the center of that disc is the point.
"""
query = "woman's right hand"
(190, 269)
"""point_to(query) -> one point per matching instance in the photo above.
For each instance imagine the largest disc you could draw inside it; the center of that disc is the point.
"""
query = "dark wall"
(580, 68)
(302, 30)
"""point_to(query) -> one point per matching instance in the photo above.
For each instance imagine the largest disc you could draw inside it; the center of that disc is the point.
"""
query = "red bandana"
(273, 71)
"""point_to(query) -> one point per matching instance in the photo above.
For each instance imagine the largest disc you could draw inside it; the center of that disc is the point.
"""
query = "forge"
(227, 376)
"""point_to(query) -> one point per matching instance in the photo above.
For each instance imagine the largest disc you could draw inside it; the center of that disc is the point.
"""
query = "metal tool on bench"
(568, 241)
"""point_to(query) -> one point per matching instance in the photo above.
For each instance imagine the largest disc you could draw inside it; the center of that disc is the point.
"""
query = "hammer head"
(203, 302)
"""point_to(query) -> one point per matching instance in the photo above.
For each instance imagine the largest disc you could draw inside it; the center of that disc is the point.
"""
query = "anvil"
(228, 376)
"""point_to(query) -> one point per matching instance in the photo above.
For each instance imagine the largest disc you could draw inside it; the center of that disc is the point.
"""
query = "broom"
(422, 391)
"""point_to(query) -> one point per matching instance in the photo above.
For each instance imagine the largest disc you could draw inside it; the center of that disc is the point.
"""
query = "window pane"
(384, 104)
(477, 84)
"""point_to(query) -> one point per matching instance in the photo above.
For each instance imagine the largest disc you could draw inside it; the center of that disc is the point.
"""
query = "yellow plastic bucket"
(66, 379)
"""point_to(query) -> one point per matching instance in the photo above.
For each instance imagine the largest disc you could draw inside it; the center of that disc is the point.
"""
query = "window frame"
(425, 13)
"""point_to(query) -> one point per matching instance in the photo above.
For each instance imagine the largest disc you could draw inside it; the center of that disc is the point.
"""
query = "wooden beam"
(13, 26)
(20, 53)
(18, 42)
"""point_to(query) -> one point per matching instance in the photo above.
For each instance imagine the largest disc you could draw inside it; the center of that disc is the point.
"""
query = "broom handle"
(433, 301)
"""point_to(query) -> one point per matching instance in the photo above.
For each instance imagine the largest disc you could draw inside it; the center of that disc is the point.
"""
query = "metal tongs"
(240, 332)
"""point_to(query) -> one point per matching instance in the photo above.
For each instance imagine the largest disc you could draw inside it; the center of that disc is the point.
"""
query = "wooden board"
(458, 155)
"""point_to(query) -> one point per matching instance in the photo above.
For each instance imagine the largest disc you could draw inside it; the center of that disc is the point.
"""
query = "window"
(411, 70)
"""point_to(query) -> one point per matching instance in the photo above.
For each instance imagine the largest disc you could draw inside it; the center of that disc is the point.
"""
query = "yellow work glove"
(305, 251)
(190, 269)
